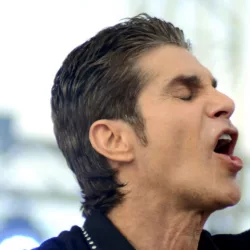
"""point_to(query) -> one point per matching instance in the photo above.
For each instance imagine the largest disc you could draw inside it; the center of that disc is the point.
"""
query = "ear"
(112, 139)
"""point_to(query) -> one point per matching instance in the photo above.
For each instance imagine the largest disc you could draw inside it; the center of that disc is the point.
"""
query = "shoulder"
(66, 240)
(233, 241)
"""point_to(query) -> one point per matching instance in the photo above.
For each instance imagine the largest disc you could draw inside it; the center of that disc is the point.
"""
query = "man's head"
(133, 106)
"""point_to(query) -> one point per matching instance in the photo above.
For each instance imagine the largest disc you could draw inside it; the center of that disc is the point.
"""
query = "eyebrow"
(190, 80)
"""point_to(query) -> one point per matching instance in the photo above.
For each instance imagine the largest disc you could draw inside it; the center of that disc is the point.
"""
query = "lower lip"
(234, 161)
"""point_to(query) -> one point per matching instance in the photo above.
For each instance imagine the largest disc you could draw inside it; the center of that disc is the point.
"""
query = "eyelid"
(193, 88)
(187, 98)
(183, 92)
(192, 83)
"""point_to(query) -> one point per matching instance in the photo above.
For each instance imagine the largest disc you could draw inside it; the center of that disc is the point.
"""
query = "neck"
(158, 226)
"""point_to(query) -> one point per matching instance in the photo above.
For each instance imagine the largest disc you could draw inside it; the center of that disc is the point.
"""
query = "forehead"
(167, 61)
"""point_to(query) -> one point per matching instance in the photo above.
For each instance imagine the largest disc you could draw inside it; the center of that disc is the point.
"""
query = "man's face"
(182, 123)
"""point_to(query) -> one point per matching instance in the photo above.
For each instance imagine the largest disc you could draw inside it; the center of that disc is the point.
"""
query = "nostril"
(221, 113)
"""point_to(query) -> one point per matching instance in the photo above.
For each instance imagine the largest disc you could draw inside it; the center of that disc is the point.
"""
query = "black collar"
(104, 233)
(107, 237)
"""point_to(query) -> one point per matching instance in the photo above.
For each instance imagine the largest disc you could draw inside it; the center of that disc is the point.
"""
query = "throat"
(171, 230)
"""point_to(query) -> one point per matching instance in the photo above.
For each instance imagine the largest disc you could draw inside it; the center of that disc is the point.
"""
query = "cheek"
(169, 136)
(166, 150)
(173, 148)
(173, 139)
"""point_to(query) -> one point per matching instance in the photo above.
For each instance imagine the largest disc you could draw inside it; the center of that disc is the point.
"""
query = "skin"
(176, 181)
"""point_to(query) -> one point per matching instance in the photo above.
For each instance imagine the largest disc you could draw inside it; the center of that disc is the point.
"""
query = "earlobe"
(112, 140)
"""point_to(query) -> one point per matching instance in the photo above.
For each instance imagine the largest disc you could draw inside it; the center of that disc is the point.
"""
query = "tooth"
(225, 137)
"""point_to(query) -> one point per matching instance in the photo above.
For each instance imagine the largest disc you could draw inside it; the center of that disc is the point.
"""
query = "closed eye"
(184, 92)
(188, 98)
(185, 87)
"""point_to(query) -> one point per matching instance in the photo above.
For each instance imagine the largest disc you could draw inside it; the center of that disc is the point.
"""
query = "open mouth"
(224, 148)
(226, 143)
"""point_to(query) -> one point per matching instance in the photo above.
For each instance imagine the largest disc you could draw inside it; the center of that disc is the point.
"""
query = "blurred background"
(39, 196)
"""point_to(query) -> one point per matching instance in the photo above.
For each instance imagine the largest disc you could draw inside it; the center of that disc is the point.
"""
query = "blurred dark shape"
(6, 133)
(19, 226)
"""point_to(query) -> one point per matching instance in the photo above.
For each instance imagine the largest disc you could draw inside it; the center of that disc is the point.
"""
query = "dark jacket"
(100, 234)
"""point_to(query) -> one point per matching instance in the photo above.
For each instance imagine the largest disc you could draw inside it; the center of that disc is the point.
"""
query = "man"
(149, 138)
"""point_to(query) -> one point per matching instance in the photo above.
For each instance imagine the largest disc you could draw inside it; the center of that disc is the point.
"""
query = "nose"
(220, 105)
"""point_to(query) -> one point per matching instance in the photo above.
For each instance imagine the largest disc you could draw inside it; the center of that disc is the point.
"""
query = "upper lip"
(234, 135)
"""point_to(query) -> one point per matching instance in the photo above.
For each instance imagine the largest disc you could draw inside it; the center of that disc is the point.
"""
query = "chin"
(228, 199)
(221, 197)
